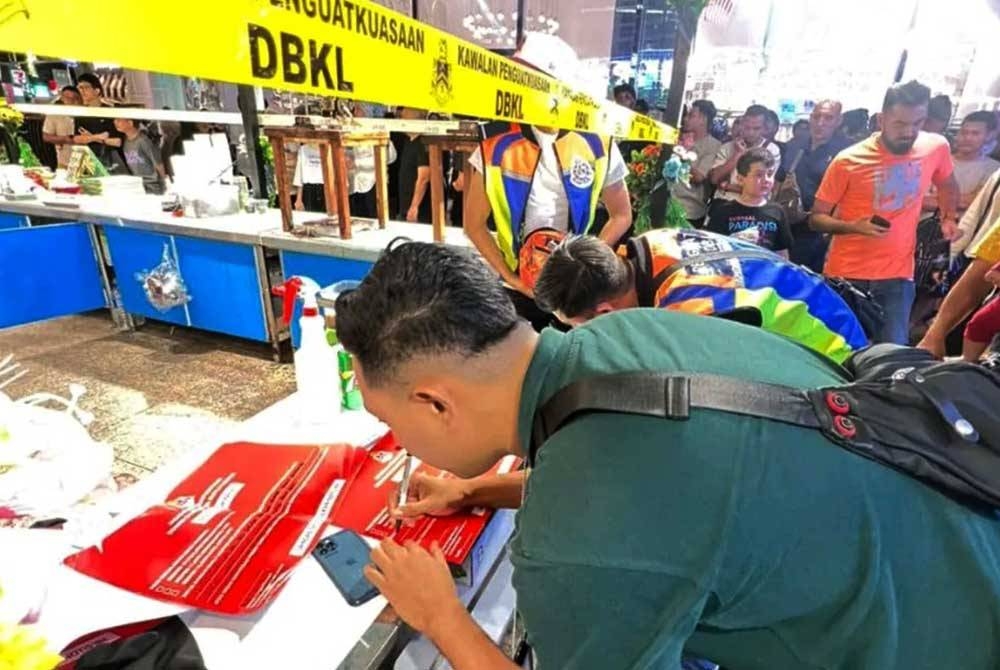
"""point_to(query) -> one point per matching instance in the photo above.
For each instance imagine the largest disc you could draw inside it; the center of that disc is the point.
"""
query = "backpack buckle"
(838, 403)
(677, 398)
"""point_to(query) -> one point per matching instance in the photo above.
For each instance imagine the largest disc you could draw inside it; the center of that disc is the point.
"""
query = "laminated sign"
(367, 511)
(228, 537)
(348, 48)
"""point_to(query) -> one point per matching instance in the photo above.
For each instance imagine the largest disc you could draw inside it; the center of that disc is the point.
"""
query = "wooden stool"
(333, 157)
(465, 140)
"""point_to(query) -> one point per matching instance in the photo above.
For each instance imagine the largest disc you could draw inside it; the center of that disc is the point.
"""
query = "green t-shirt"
(754, 544)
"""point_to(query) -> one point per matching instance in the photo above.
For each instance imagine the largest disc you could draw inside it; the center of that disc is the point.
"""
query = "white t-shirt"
(360, 164)
(308, 166)
(63, 126)
(547, 205)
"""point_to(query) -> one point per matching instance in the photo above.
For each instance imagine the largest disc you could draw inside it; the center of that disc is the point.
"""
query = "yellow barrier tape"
(350, 48)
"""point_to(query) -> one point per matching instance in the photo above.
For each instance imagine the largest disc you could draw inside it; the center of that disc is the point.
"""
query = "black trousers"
(363, 205)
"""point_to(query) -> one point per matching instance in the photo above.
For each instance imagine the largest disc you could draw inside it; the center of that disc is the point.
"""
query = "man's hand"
(412, 214)
(993, 275)
(300, 204)
(950, 230)
(417, 583)
(934, 345)
(866, 227)
(434, 496)
(518, 285)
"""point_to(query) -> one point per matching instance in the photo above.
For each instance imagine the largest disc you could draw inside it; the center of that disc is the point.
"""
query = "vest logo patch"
(581, 173)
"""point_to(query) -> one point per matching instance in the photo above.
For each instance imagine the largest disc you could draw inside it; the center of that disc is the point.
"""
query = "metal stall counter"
(122, 242)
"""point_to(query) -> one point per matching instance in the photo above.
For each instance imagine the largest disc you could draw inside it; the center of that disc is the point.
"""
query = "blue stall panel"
(221, 278)
(46, 272)
(324, 270)
(134, 252)
(8, 220)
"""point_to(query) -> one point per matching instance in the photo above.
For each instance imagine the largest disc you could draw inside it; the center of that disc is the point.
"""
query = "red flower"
(651, 151)
(639, 169)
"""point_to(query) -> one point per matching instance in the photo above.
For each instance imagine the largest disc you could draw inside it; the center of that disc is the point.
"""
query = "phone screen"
(343, 557)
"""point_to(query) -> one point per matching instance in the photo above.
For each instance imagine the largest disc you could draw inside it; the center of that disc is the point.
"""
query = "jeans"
(896, 298)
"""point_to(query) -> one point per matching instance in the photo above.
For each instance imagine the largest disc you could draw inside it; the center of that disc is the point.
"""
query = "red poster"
(367, 511)
(227, 538)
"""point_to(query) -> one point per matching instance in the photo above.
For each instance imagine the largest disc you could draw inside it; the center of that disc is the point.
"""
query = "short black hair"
(939, 107)
(750, 158)
(69, 87)
(982, 116)
(707, 109)
(800, 123)
(92, 79)
(855, 120)
(580, 273)
(772, 117)
(756, 110)
(910, 94)
(423, 299)
(625, 88)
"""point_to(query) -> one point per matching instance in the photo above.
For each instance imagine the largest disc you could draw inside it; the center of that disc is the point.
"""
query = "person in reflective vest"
(702, 273)
(540, 184)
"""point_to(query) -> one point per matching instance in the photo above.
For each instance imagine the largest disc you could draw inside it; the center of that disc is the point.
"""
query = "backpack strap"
(670, 396)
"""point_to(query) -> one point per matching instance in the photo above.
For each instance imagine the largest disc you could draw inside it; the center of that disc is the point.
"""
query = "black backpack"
(936, 422)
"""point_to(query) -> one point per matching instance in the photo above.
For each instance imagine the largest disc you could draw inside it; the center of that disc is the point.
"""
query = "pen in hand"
(404, 487)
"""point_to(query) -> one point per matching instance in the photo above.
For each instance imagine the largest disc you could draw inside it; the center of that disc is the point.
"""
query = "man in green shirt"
(755, 544)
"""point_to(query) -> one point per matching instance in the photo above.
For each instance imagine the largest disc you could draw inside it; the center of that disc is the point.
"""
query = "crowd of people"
(848, 203)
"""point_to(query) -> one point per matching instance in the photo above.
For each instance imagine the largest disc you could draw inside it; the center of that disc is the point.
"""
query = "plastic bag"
(164, 286)
(48, 461)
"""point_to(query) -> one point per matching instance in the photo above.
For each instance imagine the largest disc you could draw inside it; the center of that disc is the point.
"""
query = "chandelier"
(500, 29)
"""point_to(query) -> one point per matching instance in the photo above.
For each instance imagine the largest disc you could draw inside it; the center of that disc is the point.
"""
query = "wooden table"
(333, 144)
(465, 140)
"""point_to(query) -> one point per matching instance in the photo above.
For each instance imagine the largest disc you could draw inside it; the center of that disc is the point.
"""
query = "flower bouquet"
(647, 181)
(642, 180)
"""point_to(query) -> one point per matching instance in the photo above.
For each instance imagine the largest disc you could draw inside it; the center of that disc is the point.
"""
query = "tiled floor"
(154, 393)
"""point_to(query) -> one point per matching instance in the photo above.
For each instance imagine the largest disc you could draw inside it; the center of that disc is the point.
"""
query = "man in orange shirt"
(870, 202)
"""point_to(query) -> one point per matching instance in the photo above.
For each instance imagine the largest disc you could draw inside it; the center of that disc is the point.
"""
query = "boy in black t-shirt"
(749, 217)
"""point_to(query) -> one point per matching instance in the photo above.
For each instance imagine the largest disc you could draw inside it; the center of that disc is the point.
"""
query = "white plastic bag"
(48, 461)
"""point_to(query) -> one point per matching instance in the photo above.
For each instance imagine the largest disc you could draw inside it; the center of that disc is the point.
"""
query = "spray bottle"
(316, 374)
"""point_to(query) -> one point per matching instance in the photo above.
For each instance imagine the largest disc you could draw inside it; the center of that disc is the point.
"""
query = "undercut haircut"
(910, 94)
(422, 300)
(581, 273)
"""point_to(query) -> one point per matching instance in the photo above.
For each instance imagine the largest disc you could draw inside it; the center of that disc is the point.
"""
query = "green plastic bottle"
(349, 392)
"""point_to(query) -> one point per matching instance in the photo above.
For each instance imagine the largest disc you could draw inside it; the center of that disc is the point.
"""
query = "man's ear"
(437, 401)
(603, 308)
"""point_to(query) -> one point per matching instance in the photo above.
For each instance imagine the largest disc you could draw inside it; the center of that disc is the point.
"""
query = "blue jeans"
(896, 298)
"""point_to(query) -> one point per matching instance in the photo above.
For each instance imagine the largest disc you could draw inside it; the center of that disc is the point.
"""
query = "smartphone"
(881, 222)
(343, 557)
